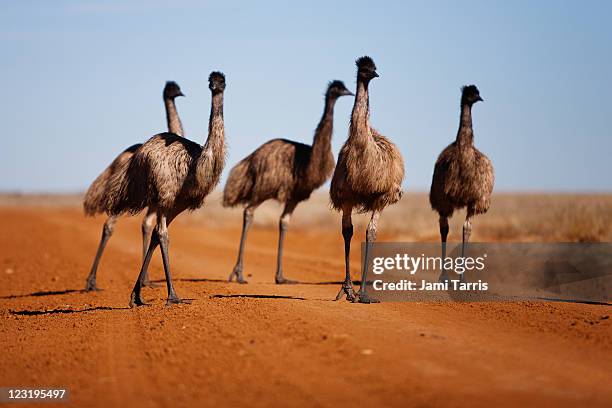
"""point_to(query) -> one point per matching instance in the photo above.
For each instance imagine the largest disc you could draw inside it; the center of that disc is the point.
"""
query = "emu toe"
(348, 291)
(363, 297)
(284, 281)
(175, 300)
(237, 272)
(92, 288)
(136, 300)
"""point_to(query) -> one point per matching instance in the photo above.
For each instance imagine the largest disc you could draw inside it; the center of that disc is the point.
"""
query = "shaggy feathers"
(368, 179)
(276, 171)
(285, 170)
(463, 176)
(171, 173)
(335, 84)
(217, 76)
(103, 191)
(162, 174)
(469, 90)
(366, 63)
(370, 169)
(95, 200)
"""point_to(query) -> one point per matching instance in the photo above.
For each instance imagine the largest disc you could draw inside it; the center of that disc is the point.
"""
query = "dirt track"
(261, 344)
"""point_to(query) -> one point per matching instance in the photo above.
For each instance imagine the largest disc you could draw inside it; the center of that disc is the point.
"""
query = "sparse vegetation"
(513, 217)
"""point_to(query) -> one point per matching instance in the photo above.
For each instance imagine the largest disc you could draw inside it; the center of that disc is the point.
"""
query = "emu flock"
(169, 174)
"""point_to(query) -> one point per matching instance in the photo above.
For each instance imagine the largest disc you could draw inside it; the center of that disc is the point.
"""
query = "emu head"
(336, 89)
(172, 90)
(470, 95)
(216, 82)
(366, 69)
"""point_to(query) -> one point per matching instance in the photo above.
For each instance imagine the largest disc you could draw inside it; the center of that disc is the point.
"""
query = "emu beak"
(375, 74)
(480, 99)
(347, 92)
(181, 94)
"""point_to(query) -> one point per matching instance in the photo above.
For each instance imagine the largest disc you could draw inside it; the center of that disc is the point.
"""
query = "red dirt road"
(266, 345)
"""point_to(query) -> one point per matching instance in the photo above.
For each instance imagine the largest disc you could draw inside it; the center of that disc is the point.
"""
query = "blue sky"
(83, 80)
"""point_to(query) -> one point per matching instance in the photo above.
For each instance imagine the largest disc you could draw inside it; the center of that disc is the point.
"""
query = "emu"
(95, 197)
(170, 174)
(368, 177)
(286, 171)
(463, 177)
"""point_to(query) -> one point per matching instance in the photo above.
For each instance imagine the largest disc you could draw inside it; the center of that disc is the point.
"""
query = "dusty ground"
(264, 345)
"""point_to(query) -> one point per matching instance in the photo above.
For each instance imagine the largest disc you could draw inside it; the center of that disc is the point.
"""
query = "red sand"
(294, 347)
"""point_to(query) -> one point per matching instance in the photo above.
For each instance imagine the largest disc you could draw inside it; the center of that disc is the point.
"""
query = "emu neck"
(216, 130)
(465, 135)
(322, 158)
(172, 117)
(323, 133)
(360, 117)
(212, 158)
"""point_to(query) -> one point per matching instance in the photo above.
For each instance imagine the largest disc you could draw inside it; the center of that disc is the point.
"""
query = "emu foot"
(284, 281)
(90, 286)
(237, 272)
(175, 300)
(347, 290)
(363, 297)
(136, 300)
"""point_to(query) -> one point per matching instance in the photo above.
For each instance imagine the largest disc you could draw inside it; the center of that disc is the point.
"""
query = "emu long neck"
(212, 158)
(360, 117)
(216, 129)
(174, 122)
(322, 158)
(322, 138)
(465, 135)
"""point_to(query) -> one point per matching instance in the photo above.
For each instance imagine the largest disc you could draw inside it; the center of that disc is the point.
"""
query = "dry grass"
(516, 217)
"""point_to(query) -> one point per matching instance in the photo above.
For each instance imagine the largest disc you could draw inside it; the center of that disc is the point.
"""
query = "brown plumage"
(285, 171)
(463, 176)
(95, 200)
(368, 176)
(170, 174)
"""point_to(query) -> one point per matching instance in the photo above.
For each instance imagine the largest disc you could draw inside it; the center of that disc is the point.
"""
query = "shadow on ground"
(45, 293)
(259, 297)
(63, 311)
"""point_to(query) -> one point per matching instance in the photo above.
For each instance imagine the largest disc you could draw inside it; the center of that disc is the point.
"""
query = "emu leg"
(136, 297)
(443, 235)
(164, 241)
(347, 234)
(467, 231)
(107, 231)
(283, 224)
(247, 219)
(370, 238)
(147, 229)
